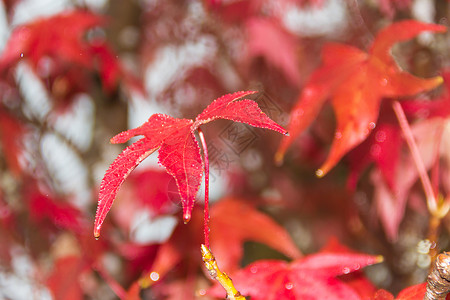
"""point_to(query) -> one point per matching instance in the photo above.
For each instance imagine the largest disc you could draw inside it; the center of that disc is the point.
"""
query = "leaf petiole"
(426, 183)
(206, 209)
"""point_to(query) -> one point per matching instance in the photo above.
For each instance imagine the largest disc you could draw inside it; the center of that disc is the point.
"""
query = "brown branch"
(438, 283)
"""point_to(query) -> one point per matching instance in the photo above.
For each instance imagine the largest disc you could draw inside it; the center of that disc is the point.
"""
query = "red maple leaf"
(233, 222)
(267, 38)
(59, 52)
(61, 214)
(439, 107)
(356, 81)
(179, 151)
(391, 200)
(45, 37)
(357, 280)
(311, 277)
(382, 147)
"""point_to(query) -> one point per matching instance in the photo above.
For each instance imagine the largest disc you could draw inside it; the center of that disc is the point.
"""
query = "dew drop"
(254, 269)
(372, 125)
(154, 276)
(319, 173)
(186, 217)
(380, 137)
(202, 292)
(97, 238)
(338, 135)
(21, 54)
(346, 270)
(289, 285)
(383, 82)
(299, 113)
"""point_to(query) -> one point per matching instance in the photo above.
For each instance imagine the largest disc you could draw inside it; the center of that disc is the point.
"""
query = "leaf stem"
(206, 210)
(112, 283)
(426, 183)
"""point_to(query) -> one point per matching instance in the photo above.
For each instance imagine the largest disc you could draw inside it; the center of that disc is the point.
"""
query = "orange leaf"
(356, 82)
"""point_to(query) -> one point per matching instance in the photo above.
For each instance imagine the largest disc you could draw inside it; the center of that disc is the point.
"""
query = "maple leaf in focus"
(356, 81)
(311, 277)
(179, 151)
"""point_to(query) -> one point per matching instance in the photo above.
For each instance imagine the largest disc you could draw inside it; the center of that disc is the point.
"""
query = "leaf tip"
(186, 217)
(97, 232)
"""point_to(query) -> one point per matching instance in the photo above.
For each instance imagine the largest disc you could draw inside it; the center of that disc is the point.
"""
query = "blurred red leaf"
(268, 39)
(59, 52)
(64, 282)
(381, 147)
(61, 214)
(356, 81)
(59, 36)
(233, 221)
(357, 280)
(11, 133)
(179, 151)
(391, 201)
(389, 7)
(311, 277)
(439, 107)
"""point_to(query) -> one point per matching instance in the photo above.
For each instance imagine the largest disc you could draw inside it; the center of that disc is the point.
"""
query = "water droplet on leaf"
(289, 285)
(319, 173)
(154, 276)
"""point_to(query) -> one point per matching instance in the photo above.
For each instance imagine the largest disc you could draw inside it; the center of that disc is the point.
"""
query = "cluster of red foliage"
(382, 188)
